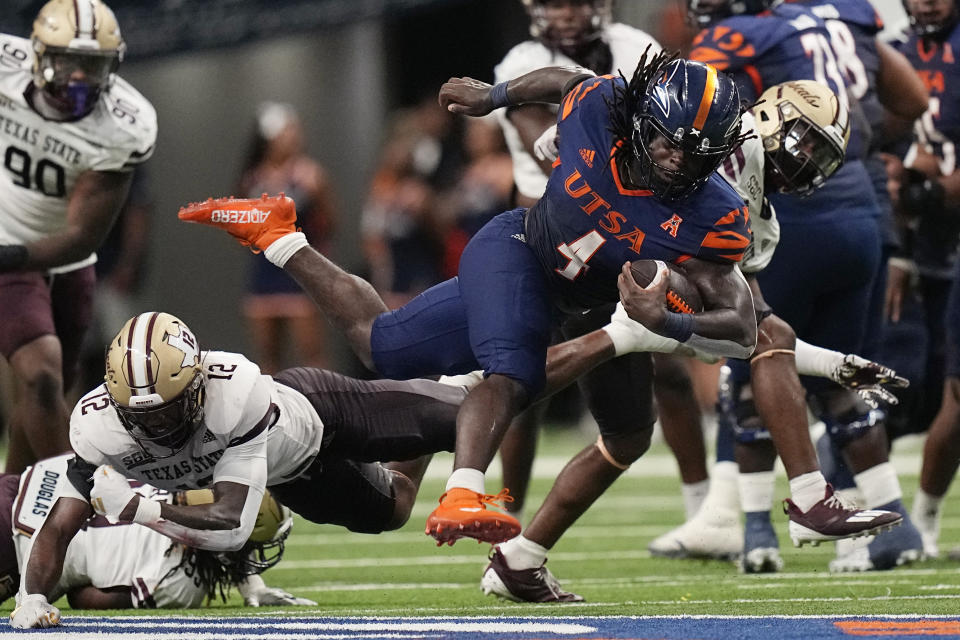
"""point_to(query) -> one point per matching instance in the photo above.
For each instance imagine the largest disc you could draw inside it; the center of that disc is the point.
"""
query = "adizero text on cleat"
(254, 222)
(463, 513)
(833, 519)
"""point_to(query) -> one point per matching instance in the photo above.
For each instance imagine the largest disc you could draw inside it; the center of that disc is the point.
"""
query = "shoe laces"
(496, 500)
(835, 501)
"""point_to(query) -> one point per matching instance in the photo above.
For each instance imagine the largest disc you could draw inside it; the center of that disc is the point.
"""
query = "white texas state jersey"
(743, 169)
(627, 44)
(105, 555)
(256, 432)
(42, 158)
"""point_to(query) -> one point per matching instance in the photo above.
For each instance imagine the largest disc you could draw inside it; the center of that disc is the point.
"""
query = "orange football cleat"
(255, 222)
(464, 514)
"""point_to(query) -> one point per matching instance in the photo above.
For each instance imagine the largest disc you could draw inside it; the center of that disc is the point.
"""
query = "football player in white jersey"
(71, 130)
(118, 566)
(564, 33)
(179, 418)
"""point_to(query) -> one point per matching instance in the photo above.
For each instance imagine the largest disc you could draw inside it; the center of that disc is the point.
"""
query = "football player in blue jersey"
(635, 181)
(763, 43)
(928, 199)
(581, 32)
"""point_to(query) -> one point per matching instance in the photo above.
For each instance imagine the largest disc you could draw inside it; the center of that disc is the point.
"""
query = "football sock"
(723, 493)
(693, 495)
(926, 506)
(879, 485)
(521, 553)
(807, 489)
(756, 491)
(465, 478)
(283, 248)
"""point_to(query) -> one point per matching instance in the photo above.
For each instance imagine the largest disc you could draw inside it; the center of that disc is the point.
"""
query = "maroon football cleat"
(525, 585)
(833, 519)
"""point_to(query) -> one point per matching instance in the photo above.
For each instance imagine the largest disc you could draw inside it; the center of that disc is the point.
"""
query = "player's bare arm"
(45, 564)
(727, 327)
(94, 204)
(223, 513)
(900, 89)
(476, 98)
(531, 120)
(90, 597)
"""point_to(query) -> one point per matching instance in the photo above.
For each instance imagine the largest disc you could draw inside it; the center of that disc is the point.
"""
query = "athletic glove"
(34, 611)
(545, 147)
(257, 594)
(868, 379)
(111, 493)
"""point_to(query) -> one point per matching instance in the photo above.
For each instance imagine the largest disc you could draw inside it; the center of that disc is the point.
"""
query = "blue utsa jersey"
(936, 63)
(790, 42)
(589, 222)
(853, 26)
(938, 131)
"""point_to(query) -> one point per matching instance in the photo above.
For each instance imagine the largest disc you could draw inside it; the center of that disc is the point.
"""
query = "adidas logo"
(865, 516)
(253, 216)
(588, 155)
(520, 236)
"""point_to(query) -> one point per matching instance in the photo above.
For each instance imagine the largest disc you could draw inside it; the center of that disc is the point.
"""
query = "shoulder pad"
(524, 58)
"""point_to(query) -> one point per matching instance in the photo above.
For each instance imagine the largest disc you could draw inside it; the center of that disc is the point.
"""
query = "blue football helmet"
(933, 20)
(688, 124)
(703, 13)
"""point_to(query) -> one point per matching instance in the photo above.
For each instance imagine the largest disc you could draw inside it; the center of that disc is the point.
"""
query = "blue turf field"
(661, 627)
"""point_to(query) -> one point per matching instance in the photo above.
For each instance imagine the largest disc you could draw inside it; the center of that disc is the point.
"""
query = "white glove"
(545, 147)
(34, 611)
(111, 493)
(466, 380)
(257, 594)
(274, 597)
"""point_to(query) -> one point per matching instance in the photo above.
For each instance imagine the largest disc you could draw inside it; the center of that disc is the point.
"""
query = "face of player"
(930, 12)
(666, 156)
(73, 82)
(569, 23)
(700, 13)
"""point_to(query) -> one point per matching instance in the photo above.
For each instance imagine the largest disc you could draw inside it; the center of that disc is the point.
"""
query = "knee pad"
(622, 450)
(736, 410)
(851, 425)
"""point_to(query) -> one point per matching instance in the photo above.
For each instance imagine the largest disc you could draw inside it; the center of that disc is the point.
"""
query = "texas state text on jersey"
(588, 223)
(42, 159)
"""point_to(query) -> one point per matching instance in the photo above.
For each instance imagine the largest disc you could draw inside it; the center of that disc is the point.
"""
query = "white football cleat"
(712, 533)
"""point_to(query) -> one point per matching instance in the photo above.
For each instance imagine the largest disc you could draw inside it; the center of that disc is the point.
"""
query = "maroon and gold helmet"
(155, 382)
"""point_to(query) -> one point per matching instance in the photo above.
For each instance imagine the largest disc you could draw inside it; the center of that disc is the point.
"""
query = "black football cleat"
(525, 585)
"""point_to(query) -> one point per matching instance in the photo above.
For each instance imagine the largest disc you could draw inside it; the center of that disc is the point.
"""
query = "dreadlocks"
(628, 100)
(215, 576)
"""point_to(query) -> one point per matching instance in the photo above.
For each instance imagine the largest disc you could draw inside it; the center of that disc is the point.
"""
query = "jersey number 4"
(578, 253)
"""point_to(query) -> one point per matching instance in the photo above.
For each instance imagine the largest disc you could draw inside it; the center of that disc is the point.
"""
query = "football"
(682, 295)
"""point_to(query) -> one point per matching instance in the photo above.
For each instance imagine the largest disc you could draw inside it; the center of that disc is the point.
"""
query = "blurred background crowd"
(333, 102)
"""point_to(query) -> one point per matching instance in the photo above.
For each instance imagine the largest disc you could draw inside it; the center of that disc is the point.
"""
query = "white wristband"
(148, 511)
(283, 248)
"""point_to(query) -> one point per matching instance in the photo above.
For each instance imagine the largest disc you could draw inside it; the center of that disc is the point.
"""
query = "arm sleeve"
(79, 479)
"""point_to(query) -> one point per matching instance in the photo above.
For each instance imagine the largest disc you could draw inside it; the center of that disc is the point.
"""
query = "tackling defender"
(780, 42)
(119, 566)
(73, 131)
